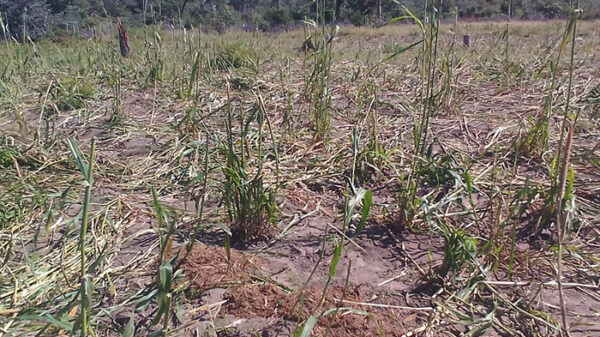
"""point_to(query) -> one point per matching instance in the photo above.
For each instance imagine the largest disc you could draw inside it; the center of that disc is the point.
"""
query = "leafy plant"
(459, 248)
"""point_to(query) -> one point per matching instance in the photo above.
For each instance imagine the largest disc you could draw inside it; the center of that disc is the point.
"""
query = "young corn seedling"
(369, 159)
(86, 282)
(199, 201)
(166, 277)
(459, 248)
(360, 196)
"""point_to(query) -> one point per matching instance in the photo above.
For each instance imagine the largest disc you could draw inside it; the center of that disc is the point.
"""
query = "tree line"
(47, 18)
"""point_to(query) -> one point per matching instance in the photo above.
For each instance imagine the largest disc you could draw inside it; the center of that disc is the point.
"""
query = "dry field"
(237, 185)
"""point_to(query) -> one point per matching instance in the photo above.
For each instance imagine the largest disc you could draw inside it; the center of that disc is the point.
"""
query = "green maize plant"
(459, 249)
(117, 107)
(166, 277)
(86, 282)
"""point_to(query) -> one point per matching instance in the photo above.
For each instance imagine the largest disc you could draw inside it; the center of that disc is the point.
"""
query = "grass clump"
(250, 203)
(72, 93)
(225, 56)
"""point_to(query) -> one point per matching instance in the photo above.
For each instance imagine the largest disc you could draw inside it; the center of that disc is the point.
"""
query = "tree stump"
(123, 41)
(467, 40)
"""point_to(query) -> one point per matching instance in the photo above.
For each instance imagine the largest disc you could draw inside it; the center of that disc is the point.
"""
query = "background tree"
(38, 18)
(26, 18)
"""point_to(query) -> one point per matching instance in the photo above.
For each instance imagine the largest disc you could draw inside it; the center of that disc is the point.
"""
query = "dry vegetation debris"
(188, 116)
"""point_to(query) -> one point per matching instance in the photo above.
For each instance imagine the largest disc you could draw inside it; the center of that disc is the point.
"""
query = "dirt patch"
(351, 318)
(207, 267)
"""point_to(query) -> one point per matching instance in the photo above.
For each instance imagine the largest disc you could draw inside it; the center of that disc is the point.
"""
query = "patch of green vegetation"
(6, 157)
(72, 93)
(225, 56)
